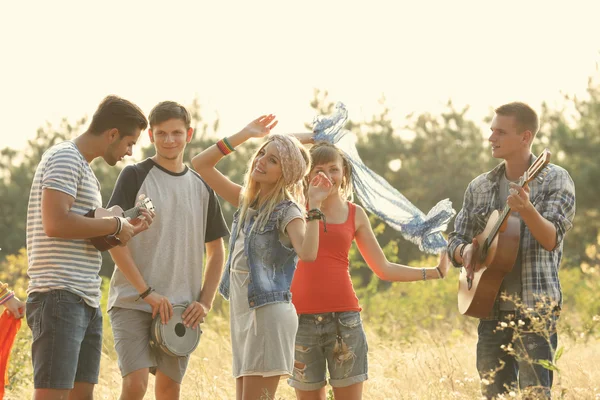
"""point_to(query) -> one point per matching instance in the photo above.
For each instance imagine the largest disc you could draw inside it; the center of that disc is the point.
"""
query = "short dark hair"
(526, 117)
(115, 112)
(167, 110)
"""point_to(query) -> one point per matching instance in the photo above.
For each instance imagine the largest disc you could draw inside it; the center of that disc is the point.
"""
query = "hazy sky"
(244, 58)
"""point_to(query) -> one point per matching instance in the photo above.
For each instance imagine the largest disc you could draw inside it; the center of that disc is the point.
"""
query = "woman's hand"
(16, 307)
(261, 126)
(319, 189)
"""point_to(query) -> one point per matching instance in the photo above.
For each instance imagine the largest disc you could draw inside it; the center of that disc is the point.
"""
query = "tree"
(572, 133)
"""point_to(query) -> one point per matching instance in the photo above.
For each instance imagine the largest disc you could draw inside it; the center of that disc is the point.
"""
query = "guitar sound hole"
(180, 329)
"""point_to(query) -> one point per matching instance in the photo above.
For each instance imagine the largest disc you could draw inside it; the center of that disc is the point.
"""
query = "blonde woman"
(269, 234)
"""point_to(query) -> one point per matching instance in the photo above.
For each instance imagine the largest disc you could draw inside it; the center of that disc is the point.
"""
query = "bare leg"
(259, 388)
(166, 388)
(82, 391)
(319, 394)
(135, 385)
(51, 394)
(239, 388)
(352, 392)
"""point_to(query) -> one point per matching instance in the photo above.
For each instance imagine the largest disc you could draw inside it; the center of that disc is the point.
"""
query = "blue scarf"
(378, 196)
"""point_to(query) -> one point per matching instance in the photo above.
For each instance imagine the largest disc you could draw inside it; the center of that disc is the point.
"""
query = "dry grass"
(419, 347)
(433, 366)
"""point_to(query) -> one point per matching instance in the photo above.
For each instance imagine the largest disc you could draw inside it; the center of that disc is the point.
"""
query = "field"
(419, 348)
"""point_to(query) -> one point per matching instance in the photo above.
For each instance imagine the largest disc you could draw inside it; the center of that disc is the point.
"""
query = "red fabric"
(324, 285)
(9, 326)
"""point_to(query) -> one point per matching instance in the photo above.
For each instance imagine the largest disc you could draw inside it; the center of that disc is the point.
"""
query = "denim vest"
(272, 265)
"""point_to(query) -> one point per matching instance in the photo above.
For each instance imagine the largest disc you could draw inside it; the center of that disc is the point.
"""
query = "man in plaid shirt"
(546, 208)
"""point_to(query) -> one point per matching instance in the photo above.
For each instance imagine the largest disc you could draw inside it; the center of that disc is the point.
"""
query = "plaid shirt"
(552, 193)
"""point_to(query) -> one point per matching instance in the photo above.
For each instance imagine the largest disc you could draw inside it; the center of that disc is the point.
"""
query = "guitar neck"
(501, 218)
(531, 172)
(132, 212)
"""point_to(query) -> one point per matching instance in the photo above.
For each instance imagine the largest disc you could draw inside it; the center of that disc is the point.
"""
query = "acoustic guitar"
(495, 255)
(103, 243)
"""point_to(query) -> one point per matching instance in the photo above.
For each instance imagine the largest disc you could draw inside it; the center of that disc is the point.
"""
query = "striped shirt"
(552, 193)
(55, 263)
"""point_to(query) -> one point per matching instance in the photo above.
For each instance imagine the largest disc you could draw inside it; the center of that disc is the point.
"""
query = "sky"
(241, 59)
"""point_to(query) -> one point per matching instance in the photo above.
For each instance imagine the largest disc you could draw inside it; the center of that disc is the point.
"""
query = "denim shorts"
(67, 339)
(331, 341)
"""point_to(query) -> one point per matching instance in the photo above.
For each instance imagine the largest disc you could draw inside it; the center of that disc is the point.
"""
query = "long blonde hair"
(295, 165)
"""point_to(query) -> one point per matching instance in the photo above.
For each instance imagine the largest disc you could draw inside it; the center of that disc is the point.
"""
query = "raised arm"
(205, 162)
(304, 138)
(376, 260)
(305, 236)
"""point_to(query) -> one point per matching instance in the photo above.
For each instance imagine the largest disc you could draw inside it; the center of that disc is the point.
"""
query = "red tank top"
(324, 285)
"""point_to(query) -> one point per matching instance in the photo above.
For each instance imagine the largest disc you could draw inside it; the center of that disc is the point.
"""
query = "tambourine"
(174, 338)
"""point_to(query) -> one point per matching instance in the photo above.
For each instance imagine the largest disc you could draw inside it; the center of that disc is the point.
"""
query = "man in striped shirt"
(531, 290)
(63, 304)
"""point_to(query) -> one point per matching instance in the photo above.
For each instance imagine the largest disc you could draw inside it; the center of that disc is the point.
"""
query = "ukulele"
(496, 254)
(103, 243)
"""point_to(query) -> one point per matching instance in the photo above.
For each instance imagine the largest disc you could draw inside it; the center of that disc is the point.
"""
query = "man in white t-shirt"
(164, 266)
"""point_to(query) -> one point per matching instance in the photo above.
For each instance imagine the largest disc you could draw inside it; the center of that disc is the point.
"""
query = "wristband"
(145, 294)
(439, 271)
(315, 213)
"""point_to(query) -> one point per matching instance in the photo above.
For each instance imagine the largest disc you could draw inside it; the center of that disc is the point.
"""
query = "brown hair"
(115, 112)
(325, 152)
(526, 117)
(167, 110)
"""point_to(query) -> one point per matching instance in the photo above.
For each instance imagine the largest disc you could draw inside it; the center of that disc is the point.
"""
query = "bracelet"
(315, 213)
(225, 147)
(424, 274)
(462, 250)
(145, 294)
(7, 297)
(119, 226)
(4, 294)
(226, 141)
(439, 271)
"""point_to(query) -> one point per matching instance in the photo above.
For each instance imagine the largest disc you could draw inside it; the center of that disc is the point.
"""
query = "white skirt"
(263, 339)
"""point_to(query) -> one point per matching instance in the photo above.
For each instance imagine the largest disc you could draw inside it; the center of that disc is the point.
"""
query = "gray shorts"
(131, 330)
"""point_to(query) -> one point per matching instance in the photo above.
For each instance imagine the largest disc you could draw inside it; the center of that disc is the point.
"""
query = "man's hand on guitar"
(518, 198)
(470, 259)
(160, 305)
(144, 220)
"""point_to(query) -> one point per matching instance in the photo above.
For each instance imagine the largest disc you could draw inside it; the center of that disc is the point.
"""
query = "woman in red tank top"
(330, 332)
